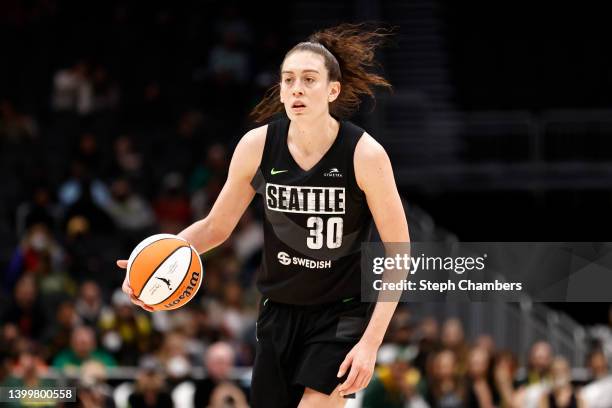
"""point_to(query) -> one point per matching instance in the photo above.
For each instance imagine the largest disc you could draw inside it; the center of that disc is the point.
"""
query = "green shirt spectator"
(82, 348)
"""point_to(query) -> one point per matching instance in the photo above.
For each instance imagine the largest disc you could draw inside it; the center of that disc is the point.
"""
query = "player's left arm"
(374, 176)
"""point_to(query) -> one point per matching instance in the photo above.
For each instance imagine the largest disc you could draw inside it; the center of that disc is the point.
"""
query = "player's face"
(305, 87)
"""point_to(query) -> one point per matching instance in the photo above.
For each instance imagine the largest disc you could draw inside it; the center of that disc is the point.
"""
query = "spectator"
(537, 382)
(186, 322)
(92, 389)
(106, 94)
(445, 388)
(562, 394)
(219, 361)
(125, 332)
(234, 318)
(27, 374)
(127, 161)
(82, 348)
(173, 355)
(247, 244)
(84, 258)
(36, 247)
(58, 336)
(480, 392)
(150, 388)
(486, 342)
(453, 338)
(15, 127)
(206, 181)
(597, 363)
(213, 166)
(89, 305)
(172, 205)
(53, 281)
(396, 384)
(84, 195)
(539, 363)
(227, 394)
(9, 337)
(88, 153)
(26, 310)
(131, 213)
(72, 90)
(504, 370)
(427, 341)
(227, 62)
(180, 152)
(40, 209)
(401, 328)
(231, 21)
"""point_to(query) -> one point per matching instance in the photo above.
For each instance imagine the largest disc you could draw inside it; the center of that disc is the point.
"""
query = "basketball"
(164, 271)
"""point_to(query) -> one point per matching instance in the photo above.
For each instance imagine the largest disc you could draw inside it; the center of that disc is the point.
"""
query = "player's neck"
(313, 136)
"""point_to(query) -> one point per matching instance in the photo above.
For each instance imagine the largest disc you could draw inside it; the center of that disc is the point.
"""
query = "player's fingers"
(140, 303)
(357, 385)
(147, 308)
(126, 288)
(349, 381)
(345, 365)
(122, 263)
(364, 380)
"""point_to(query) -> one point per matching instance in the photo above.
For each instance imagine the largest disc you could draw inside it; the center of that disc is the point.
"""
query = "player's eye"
(309, 80)
(288, 80)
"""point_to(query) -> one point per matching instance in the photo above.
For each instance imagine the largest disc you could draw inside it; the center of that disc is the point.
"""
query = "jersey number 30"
(333, 232)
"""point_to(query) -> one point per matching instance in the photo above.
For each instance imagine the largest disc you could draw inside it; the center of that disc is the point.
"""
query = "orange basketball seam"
(158, 266)
(195, 289)
(138, 254)
(182, 280)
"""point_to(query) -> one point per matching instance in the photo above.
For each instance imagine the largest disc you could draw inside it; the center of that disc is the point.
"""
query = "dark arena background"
(118, 120)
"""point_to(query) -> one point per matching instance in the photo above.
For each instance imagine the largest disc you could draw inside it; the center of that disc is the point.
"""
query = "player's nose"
(297, 89)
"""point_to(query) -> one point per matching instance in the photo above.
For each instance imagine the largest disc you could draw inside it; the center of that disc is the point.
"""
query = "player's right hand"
(122, 263)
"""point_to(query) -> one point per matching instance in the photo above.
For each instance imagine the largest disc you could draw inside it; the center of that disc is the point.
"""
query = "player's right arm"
(235, 197)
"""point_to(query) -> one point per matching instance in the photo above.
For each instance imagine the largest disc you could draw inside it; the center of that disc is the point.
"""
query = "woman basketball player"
(323, 180)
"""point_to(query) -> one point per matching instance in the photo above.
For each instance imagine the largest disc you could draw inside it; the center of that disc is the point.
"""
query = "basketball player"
(323, 180)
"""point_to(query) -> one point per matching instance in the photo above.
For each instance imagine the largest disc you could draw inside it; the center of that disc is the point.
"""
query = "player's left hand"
(361, 359)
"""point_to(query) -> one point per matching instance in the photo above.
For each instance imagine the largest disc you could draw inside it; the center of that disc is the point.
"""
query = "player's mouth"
(298, 106)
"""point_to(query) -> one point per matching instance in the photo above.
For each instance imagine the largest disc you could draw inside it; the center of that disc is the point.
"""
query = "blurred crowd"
(116, 122)
(199, 356)
(428, 364)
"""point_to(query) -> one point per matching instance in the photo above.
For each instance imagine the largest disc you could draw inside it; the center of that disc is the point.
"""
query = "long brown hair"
(348, 52)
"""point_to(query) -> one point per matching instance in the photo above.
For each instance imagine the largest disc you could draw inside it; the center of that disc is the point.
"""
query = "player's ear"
(334, 91)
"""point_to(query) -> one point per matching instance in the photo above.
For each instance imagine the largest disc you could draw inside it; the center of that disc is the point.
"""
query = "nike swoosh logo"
(275, 172)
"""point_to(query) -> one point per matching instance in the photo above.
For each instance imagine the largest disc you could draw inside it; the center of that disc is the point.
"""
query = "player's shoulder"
(368, 151)
(249, 151)
(255, 137)
(371, 162)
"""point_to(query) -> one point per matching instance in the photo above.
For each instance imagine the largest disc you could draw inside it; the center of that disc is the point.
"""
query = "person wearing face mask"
(219, 362)
(562, 393)
(37, 247)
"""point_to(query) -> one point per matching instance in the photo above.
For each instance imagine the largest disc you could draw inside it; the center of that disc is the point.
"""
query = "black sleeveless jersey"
(315, 221)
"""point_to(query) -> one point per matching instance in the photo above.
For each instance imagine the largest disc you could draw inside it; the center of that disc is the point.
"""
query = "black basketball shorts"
(303, 346)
